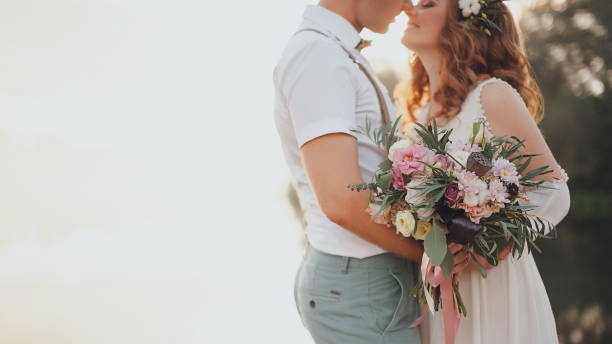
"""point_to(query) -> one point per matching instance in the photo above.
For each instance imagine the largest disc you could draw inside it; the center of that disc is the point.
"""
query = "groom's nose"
(407, 5)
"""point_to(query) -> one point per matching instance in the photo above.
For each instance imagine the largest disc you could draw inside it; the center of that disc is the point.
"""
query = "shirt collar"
(334, 23)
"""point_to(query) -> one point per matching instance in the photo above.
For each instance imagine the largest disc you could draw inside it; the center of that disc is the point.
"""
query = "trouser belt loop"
(345, 264)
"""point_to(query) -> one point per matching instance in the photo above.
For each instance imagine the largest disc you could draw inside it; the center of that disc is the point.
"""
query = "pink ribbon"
(435, 277)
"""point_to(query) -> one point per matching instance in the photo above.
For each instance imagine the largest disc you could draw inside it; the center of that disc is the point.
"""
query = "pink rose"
(408, 160)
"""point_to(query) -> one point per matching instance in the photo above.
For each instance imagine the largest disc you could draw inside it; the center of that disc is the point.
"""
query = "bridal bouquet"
(470, 192)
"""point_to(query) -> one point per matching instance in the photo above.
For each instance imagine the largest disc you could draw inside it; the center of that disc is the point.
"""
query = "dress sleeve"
(552, 204)
(320, 92)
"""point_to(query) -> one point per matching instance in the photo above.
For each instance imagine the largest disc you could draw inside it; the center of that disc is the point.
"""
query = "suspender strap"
(384, 111)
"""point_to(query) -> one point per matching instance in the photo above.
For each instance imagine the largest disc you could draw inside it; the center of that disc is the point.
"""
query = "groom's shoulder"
(308, 47)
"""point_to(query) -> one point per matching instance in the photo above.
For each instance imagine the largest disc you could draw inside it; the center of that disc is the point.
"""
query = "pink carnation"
(475, 190)
(498, 192)
(407, 160)
(398, 178)
(505, 170)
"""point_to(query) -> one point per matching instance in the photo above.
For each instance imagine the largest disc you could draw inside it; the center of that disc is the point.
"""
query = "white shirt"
(319, 91)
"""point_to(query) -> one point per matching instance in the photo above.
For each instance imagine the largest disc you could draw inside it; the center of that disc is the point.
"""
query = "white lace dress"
(510, 306)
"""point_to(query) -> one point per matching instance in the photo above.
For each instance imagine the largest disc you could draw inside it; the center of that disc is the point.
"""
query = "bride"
(468, 67)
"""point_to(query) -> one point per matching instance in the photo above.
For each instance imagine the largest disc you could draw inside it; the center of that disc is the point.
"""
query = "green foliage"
(435, 245)
(383, 137)
(448, 263)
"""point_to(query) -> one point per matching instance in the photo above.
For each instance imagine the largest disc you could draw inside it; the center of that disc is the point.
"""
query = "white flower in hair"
(469, 7)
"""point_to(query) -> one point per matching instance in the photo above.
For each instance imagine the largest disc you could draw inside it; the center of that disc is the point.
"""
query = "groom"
(353, 284)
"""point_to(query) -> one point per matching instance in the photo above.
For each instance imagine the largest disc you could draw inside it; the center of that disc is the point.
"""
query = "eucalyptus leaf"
(448, 263)
(385, 181)
(435, 245)
(385, 165)
(483, 271)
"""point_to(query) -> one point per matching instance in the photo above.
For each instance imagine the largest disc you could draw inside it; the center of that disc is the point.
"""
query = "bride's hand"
(472, 265)
(462, 259)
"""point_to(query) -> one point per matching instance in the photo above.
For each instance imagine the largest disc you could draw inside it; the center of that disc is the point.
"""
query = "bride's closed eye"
(427, 4)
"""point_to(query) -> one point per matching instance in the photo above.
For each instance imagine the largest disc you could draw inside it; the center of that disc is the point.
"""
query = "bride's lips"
(412, 25)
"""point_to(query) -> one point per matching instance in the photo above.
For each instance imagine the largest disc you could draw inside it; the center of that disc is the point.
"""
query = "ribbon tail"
(424, 268)
(418, 320)
(451, 319)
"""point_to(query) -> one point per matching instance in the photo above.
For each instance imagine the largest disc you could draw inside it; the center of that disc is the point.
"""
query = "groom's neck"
(345, 9)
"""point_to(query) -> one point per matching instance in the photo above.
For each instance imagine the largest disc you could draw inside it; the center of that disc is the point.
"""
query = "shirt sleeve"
(320, 92)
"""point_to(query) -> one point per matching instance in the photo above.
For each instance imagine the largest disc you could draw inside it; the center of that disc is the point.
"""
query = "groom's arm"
(321, 89)
(331, 162)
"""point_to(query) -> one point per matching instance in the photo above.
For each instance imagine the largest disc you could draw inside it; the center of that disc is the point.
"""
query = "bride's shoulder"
(503, 107)
(496, 94)
(497, 89)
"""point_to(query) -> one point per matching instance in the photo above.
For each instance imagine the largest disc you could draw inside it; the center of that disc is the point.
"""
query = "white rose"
(475, 8)
(404, 223)
(463, 5)
(412, 193)
(466, 12)
(403, 143)
(424, 212)
(423, 227)
(412, 197)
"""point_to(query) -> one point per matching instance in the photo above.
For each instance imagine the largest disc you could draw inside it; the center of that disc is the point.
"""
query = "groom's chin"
(380, 30)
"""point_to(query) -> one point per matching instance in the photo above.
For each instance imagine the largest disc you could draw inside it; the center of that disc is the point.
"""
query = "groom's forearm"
(331, 163)
(357, 220)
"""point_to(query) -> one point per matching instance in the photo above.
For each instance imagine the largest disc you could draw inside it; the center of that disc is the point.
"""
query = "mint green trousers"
(345, 300)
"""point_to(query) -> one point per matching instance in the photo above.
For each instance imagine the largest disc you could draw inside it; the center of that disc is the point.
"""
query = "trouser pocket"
(388, 298)
(401, 308)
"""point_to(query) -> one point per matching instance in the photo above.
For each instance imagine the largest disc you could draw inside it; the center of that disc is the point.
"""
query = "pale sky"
(144, 198)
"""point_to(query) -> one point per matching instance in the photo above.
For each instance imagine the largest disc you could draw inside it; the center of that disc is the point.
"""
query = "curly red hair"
(469, 57)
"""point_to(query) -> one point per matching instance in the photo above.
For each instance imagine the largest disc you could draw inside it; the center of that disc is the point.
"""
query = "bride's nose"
(409, 9)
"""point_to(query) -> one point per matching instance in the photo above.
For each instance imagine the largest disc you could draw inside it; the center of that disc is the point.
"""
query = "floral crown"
(479, 14)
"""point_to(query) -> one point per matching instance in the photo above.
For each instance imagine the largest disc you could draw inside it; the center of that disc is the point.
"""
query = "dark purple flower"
(513, 189)
(462, 230)
(452, 194)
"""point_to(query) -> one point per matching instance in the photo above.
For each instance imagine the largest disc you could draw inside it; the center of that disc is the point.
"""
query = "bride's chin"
(406, 42)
